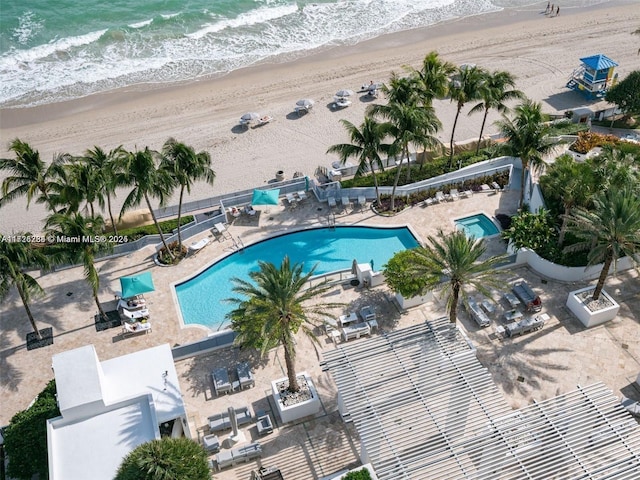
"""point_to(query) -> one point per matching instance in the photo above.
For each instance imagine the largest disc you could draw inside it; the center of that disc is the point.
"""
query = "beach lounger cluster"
(242, 454)
(527, 296)
(223, 384)
(347, 327)
(221, 421)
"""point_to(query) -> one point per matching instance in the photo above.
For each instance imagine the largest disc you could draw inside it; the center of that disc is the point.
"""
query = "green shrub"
(167, 227)
(362, 474)
(25, 439)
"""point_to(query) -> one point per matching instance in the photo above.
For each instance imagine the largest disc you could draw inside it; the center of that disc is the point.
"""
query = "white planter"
(586, 316)
(290, 413)
(413, 301)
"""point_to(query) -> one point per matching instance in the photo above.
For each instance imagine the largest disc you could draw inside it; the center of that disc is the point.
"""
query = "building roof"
(110, 408)
(425, 407)
(598, 62)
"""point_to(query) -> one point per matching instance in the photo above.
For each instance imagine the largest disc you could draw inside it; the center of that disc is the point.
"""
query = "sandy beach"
(541, 51)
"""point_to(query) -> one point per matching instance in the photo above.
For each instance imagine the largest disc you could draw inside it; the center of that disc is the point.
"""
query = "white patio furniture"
(302, 195)
(245, 376)
(512, 315)
(221, 383)
(195, 247)
(367, 313)
(511, 299)
(345, 320)
(345, 202)
(440, 197)
(332, 202)
(264, 424)
(355, 331)
(211, 443)
(453, 194)
(220, 230)
(362, 201)
(136, 327)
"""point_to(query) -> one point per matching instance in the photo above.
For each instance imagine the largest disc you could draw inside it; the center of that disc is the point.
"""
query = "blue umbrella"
(136, 285)
(266, 197)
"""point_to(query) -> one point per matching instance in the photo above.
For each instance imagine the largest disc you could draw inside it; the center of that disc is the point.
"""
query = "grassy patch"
(167, 226)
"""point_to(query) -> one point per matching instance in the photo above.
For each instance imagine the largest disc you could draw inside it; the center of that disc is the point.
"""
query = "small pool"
(201, 298)
(477, 226)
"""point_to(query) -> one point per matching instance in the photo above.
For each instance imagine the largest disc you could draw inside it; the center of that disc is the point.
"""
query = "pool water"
(201, 298)
(477, 226)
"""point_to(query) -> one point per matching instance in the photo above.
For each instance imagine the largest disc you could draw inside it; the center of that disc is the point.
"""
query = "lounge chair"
(220, 230)
(440, 197)
(332, 202)
(264, 120)
(195, 247)
(302, 195)
(211, 443)
(293, 201)
(495, 186)
(136, 327)
(427, 201)
(249, 210)
(453, 194)
(345, 202)
(221, 383)
(362, 201)
(245, 376)
(341, 102)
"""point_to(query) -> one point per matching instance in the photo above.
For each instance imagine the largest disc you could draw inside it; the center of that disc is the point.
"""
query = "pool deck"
(536, 366)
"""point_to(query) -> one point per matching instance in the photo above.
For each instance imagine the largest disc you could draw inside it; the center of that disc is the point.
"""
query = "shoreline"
(541, 52)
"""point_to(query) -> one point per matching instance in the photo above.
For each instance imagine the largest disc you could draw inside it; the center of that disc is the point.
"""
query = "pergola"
(425, 407)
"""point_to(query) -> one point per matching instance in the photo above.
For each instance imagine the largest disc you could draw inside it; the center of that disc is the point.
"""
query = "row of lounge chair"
(222, 383)
(346, 202)
(294, 198)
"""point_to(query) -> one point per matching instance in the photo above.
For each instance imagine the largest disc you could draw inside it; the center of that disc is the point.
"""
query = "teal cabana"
(594, 76)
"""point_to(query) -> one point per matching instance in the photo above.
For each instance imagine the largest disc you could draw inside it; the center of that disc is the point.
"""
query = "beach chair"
(293, 201)
(249, 210)
(264, 120)
(362, 201)
(440, 197)
(195, 247)
(332, 202)
(245, 376)
(221, 231)
(221, 383)
(302, 195)
(345, 202)
(453, 194)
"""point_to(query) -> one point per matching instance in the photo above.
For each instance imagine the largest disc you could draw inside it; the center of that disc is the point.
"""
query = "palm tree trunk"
(563, 227)
(103, 315)
(28, 310)
(113, 223)
(484, 119)
(155, 222)
(522, 175)
(406, 155)
(453, 132)
(375, 182)
(291, 369)
(179, 216)
(453, 312)
(603, 276)
(395, 185)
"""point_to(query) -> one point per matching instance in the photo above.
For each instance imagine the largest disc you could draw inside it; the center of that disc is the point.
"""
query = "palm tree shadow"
(10, 377)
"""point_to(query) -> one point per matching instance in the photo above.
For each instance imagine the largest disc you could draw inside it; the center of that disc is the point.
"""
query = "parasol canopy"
(136, 285)
(266, 197)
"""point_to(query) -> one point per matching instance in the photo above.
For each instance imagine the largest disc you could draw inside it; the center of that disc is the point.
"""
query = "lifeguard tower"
(594, 76)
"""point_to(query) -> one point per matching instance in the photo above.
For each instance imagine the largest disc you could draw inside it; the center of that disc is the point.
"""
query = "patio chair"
(367, 313)
(362, 201)
(221, 383)
(440, 197)
(195, 247)
(332, 202)
(245, 376)
(249, 210)
(221, 231)
(293, 201)
(211, 443)
(453, 194)
(264, 424)
(302, 195)
(345, 202)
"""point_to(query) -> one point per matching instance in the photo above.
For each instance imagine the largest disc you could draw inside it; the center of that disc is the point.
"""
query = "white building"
(109, 408)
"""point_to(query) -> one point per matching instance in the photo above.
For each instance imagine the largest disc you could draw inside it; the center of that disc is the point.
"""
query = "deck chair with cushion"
(221, 230)
(221, 383)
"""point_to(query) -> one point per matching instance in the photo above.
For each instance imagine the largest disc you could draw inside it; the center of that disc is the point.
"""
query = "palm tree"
(15, 257)
(466, 86)
(433, 78)
(28, 174)
(570, 182)
(526, 136)
(456, 258)
(109, 173)
(410, 123)
(366, 146)
(165, 459)
(148, 182)
(610, 231)
(186, 166)
(275, 306)
(498, 89)
(614, 169)
(85, 241)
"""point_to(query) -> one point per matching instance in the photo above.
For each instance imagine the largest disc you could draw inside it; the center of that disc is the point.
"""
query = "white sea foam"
(141, 24)
(28, 26)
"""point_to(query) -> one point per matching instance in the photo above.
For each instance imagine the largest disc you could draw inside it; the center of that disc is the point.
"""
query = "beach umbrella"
(136, 285)
(305, 103)
(344, 93)
(250, 117)
(266, 197)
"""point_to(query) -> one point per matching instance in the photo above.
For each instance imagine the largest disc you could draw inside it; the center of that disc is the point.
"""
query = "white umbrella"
(305, 103)
(250, 117)
(344, 93)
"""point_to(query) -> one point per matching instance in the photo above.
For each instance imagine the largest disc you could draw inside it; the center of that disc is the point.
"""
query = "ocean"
(63, 49)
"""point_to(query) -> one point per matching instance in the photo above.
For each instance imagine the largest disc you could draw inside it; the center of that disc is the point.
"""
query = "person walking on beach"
(547, 9)
(551, 11)
(557, 11)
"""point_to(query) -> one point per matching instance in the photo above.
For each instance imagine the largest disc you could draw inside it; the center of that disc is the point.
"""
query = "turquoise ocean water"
(51, 50)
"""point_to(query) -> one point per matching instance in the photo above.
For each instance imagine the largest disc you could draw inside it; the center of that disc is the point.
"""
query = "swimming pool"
(477, 226)
(201, 298)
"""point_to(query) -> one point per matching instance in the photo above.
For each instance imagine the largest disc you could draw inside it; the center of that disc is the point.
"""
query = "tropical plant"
(15, 258)
(466, 86)
(570, 183)
(498, 89)
(400, 276)
(109, 174)
(411, 124)
(28, 174)
(81, 240)
(613, 169)
(625, 93)
(526, 136)
(366, 146)
(532, 230)
(608, 232)
(186, 166)
(275, 307)
(165, 459)
(433, 78)
(25, 438)
(148, 182)
(452, 261)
